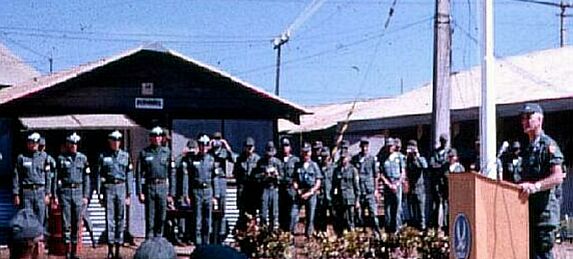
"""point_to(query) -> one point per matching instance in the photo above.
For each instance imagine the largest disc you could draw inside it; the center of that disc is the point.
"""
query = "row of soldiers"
(344, 191)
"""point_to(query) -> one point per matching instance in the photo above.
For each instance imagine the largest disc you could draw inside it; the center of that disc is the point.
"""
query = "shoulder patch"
(552, 148)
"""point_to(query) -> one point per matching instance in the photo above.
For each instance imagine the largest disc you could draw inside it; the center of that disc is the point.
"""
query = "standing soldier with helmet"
(114, 170)
(222, 153)
(346, 190)
(439, 183)
(184, 224)
(416, 166)
(73, 178)
(286, 192)
(512, 163)
(541, 177)
(155, 169)
(270, 170)
(247, 187)
(306, 183)
(324, 210)
(368, 179)
(31, 182)
(393, 174)
(198, 177)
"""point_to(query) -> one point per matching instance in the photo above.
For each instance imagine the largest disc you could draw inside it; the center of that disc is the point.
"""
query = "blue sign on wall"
(462, 237)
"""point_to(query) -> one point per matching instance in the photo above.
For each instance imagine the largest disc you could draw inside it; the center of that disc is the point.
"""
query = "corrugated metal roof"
(79, 121)
(536, 76)
(40, 83)
(12, 69)
(326, 116)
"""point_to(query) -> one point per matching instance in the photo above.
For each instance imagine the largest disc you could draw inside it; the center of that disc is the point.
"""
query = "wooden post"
(442, 66)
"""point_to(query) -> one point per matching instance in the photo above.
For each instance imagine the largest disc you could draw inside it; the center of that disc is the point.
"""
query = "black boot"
(74, 255)
(68, 254)
(109, 252)
(117, 256)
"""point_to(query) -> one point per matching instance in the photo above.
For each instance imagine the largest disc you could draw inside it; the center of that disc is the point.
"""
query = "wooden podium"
(487, 219)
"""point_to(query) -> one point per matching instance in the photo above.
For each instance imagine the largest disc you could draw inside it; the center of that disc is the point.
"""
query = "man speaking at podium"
(542, 174)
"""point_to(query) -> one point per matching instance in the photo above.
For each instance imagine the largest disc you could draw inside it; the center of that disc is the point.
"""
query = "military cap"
(34, 137)
(217, 135)
(25, 226)
(413, 143)
(317, 144)
(453, 152)
(42, 141)
(344, 144)
(285, 142)
(443, 137)
(364, 141)
(390, 142)
(515, 145)
(203, 139)
(306, 147)
(155, 248)
(73, 138)
(249, 141)
(156, 131)
(325, 151)
(531, 108)
(192, 143)
(217, 252)
(115, 135)
(270, 146)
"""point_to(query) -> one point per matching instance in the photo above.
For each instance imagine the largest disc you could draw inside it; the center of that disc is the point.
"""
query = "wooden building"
(134, 91)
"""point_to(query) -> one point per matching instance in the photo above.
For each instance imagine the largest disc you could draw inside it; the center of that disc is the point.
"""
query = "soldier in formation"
(155, 182)
(114, 171)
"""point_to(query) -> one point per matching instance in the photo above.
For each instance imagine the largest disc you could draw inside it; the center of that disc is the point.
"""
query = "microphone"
(502, 149)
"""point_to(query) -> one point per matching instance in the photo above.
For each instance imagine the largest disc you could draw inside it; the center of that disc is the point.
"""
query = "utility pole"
(277, 44)
(562, 15)
(441, 99)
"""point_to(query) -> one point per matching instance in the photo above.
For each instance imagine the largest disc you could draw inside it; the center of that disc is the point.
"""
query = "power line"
(339, 47)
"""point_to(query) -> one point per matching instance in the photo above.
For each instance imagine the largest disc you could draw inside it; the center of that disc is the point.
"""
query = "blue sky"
(340, 53)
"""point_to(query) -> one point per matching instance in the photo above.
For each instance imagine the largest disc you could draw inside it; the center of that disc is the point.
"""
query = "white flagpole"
(488, 97)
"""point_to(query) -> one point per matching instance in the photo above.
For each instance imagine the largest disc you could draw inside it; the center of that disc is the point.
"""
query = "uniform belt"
(32, 186)
(202, 185)
(157, 181)
(114, 181)
(72, 185)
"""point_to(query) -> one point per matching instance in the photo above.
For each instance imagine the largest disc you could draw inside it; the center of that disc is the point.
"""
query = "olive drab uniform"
(345, 191)
(368, 175)
(221, 156)
(439, 187)
(306, 174)
(324, 201)
(544, 208)
(512, 166)
(392, 169)
(247, 187)
(269, 171)
(114, 170)
(416, 167)
(32, 181)
(286, 192)
(155, 178)
(198, 177)
(73, 178)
